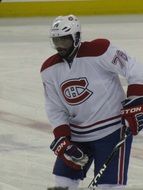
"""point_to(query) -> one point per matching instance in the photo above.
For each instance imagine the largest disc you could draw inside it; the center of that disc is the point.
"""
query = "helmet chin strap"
(76, 44)
(71, 56)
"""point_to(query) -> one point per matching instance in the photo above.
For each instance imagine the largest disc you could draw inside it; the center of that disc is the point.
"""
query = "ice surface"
(25, 135)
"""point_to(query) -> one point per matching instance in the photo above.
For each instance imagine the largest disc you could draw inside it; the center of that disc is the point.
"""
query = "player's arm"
(58, 116)
(132, 112)
(119, 62)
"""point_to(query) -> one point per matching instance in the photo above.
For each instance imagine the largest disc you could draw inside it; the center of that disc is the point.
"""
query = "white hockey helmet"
(66, 25)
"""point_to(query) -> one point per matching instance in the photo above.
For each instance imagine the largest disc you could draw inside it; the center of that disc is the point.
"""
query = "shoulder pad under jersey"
(51, 61)
(93, 48)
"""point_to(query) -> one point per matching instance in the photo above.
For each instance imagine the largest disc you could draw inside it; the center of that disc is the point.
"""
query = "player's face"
(63, 44)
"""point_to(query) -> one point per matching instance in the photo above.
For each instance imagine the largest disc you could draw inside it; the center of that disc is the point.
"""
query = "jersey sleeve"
(56, 111)
(118, 61)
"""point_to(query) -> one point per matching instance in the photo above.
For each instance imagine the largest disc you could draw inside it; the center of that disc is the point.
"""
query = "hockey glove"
(132, 114)
(69, 153)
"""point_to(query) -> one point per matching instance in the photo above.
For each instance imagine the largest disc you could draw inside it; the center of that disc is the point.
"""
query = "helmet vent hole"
(66, 29)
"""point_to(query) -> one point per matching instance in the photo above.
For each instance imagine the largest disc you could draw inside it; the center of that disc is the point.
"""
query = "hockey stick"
(93, 184)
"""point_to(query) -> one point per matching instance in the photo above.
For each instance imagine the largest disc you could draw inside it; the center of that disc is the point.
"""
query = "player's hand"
(132, 114)
(70, 153)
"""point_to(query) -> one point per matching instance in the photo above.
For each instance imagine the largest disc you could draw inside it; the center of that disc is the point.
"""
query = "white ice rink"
(25, 159)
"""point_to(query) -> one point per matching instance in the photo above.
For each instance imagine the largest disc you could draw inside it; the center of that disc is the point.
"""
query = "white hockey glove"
(132, 114)
(69, 153)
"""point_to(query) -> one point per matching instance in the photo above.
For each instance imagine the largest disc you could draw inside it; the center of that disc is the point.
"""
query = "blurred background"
(18, 8)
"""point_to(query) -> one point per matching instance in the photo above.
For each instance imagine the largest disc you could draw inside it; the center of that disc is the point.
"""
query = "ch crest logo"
(75, 91)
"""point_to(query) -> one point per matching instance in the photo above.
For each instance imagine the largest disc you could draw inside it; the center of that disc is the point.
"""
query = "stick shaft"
(95, 180)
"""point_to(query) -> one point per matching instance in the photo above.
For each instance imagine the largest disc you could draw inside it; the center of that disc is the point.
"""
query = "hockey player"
(87, 106)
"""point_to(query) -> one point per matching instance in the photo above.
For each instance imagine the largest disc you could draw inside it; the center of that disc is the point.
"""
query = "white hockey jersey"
(87, 94)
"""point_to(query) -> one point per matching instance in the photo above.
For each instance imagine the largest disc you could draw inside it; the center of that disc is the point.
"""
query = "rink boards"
(79, 7)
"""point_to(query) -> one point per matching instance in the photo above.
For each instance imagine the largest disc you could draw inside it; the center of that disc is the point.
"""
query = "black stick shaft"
(95, 180)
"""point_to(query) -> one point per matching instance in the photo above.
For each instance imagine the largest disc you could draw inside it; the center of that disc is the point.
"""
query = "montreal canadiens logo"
(75, 91)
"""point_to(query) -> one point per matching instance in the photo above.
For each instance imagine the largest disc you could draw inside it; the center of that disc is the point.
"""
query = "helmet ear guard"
(77, 39)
